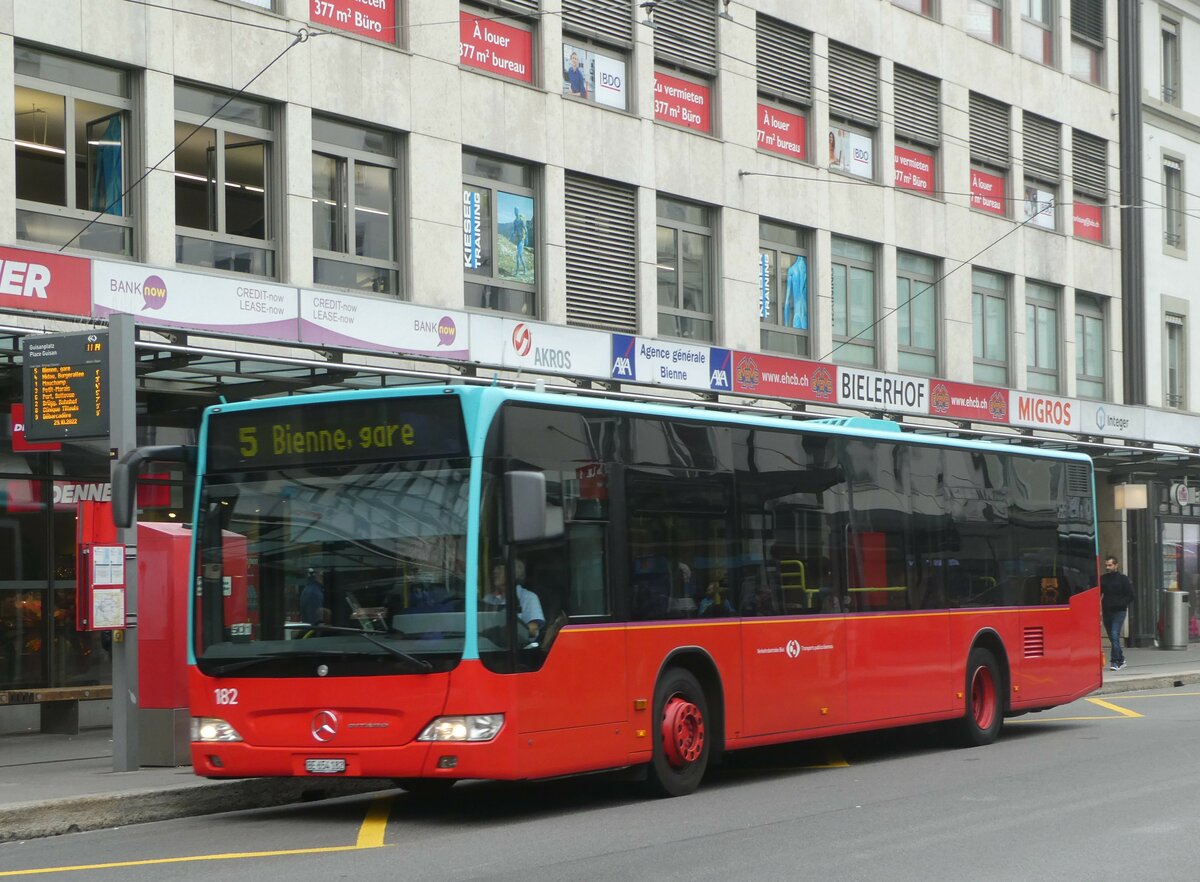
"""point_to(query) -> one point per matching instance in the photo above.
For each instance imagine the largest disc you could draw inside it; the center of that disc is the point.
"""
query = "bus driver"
(529, 610)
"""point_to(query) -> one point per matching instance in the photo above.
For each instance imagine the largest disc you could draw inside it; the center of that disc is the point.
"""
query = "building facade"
(906, 209)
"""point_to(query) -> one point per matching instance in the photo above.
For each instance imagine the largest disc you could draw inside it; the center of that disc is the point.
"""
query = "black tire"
(984, 714)
(682, 735)
(428, 788)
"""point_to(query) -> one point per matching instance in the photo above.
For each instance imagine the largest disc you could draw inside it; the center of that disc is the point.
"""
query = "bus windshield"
(332, 564)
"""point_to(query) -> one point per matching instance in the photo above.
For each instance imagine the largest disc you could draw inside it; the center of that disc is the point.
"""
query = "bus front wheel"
(981, 721)
(682, 740)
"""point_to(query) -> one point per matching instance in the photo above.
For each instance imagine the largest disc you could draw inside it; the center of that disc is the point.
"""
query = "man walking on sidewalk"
(1116, 593)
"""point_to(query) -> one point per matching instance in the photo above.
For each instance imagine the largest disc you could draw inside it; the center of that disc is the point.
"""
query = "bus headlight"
(482, 727)
(213, 729)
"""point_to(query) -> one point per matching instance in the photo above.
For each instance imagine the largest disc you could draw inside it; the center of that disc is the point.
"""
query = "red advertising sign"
(966, 401)
(19, 444)
(496, 47)
(987, 192)
(914, 171)
(779, 377)
(682, 102)
(45, 282)
(782, 132)
(367, 18)
(1089, 221)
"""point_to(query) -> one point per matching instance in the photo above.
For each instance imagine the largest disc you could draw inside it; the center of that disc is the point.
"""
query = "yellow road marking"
(374, 825)
(1125, 713)
(370, 835)
(181, 860)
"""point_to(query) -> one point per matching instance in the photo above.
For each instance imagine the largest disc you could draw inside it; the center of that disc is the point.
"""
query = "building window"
(597, 42)
(500, 241)
(1043, 170)
(601, 254)
(917, 313)
(918, 130)
(223, 186)
(853, 110)
(784, 305)
(990, 156)
(1175, 391)
(1041, 337)
(985, 20)
(784, 87)
(354, 207)
(854, 312)
(685, 57)
(70, 128)
(1037, 30)
(1089, 346)
(492, 42)
(1089, 166)
(685, 270)
(1170, 62)
(989, 316)
(1087, 40)
(1173, 217)
(921, 7)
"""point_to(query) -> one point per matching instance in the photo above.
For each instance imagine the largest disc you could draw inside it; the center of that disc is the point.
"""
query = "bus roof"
(485, 399)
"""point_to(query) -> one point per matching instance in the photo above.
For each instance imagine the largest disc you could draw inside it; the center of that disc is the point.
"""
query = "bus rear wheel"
(682, 740)
(984, 715)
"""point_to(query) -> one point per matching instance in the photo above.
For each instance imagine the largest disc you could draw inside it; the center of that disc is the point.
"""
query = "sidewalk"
(52, 784)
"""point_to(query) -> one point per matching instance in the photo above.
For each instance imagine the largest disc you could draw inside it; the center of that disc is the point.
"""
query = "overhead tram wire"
(301, 36)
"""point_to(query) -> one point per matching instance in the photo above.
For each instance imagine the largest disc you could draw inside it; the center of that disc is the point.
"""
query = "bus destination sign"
(66, 386)
(342, 432)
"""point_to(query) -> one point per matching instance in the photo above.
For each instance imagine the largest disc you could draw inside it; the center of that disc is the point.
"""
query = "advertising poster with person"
(593, 76)
(514, 225)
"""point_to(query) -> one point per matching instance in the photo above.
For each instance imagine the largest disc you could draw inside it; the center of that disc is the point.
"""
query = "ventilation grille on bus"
(1079, 480)
(1035, 642)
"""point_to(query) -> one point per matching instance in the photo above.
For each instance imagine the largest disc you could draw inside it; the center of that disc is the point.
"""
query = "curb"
(34, 820)
(1149, 681)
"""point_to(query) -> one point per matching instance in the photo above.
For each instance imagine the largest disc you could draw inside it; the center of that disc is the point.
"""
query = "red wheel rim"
(682, 732)
(983, 697)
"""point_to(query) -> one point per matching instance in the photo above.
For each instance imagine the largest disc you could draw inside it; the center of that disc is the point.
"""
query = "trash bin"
(1175, 620)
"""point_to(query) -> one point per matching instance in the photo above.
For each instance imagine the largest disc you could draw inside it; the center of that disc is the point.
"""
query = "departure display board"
(340, 432)
(66, 386)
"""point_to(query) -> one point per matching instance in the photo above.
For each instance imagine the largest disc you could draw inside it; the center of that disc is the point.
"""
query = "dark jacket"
(1116, 592)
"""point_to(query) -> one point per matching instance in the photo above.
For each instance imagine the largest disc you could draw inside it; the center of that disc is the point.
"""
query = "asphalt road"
(1100, 790)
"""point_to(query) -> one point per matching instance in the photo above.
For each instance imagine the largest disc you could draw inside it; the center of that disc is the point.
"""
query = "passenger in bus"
(714, 602)
(313, 608)
(529, 607)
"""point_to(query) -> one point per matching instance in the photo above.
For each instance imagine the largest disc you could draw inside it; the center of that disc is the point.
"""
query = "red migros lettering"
(21, 279)
(1042, 410)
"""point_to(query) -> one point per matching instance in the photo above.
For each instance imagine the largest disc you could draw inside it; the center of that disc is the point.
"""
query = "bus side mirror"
(125, 475)
(527, 514)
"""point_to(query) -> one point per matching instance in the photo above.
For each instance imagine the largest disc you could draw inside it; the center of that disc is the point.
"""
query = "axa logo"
(522, 339)
(623, 367)
(324, 726)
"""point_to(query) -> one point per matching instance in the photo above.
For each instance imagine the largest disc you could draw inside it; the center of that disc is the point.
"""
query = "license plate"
(324, 766)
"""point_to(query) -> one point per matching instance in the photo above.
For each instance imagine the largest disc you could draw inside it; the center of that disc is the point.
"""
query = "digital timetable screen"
(66, 386)
(331, 433)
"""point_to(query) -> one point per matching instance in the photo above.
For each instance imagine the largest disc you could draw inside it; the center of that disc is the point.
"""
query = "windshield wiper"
(229, 667)
(420, 664)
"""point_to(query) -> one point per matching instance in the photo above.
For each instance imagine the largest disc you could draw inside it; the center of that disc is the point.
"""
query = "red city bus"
(461, 582)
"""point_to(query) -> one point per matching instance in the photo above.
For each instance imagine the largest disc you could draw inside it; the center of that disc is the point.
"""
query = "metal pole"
(1133, 246)
(122, 385)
